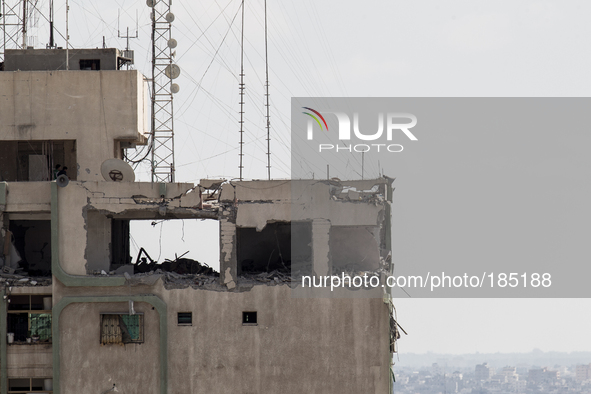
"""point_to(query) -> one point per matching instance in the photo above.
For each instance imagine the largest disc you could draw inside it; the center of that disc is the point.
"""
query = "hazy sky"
(362, 48)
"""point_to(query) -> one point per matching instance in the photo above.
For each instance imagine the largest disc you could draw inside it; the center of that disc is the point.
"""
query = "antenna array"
(127, 53)
(14, 26)
(163, 72)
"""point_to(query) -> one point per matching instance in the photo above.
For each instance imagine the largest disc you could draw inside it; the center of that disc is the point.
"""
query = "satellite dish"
(172, 71)
(174, 88)
(150, 3)
(172, 43)
(62, 180)
(170, 17)
(116, 170)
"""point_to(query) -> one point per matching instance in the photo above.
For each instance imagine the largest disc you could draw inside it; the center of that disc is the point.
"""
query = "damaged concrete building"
(81, 315)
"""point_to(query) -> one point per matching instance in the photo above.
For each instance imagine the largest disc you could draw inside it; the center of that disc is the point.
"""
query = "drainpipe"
(3, 191)
(3, 308)
(3, 346)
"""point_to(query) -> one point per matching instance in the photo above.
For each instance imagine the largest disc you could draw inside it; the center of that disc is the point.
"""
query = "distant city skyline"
(483, 378)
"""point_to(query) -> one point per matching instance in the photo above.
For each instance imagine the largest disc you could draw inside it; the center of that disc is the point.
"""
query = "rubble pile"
(182, 266)
(14, 280)
(271, 278)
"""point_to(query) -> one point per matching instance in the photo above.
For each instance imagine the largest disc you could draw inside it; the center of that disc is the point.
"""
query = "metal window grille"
(119, 328)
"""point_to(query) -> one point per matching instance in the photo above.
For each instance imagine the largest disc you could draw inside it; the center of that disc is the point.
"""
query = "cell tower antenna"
(127, 53)
(163, 72)
(127, 36)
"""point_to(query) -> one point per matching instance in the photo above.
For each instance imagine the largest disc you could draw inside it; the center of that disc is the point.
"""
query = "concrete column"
(320, 246)
(228, 260)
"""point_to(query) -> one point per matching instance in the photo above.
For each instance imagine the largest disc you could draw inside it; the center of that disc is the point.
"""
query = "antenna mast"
(67, 37)
(127, 53)
(241, 92)
(51, 42)
(13, 25)
(267, 97)
(163, 72)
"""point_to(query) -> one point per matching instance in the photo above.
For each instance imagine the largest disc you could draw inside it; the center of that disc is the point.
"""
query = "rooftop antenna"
(241, 167)
(25, 3)
(127, 53)
(51, 42)
(67, 37)
(163, 72)
(13, 20)
(267, 97)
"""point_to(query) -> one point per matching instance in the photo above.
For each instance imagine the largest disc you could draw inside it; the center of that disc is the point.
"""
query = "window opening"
(36, 160)
(271, 249)
(249, 318)
(185, 318)
(29, 319)
(28, 385)
(120, 328)
(31, 247)
(90, 64)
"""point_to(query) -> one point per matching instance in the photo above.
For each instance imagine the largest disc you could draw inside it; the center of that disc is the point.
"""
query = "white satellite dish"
(170, 17)
(172, 71)
(150, 3)
(174, 88)
(116, 170)
(172, 43)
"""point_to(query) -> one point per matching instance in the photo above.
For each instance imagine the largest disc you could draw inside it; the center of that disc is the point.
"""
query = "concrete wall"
(55, 59)
(96, 109)
(27, 361)
(26, 197)
(260, 201)
(88, 367)
(299, 345)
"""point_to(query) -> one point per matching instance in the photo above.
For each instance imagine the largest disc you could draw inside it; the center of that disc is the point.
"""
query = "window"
(36, 160)
(279, 246)
(185, 318)
(90, 64)
(249, 318)
(30, 385)
(29, 319)
(121, 328)
(31, 243)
